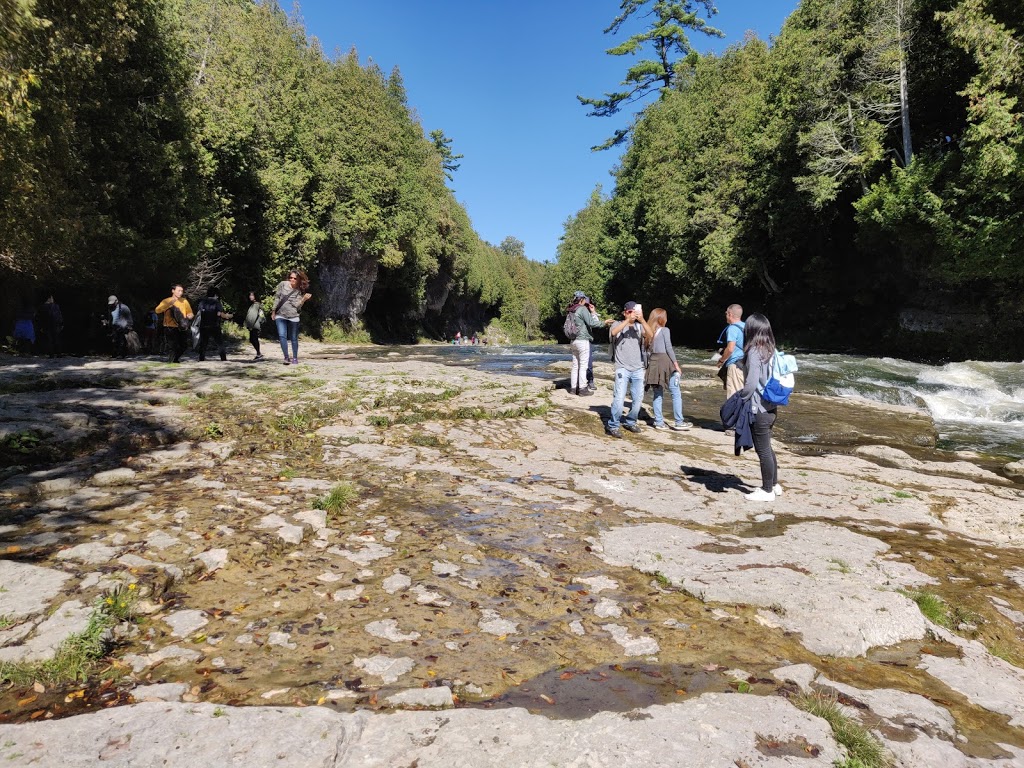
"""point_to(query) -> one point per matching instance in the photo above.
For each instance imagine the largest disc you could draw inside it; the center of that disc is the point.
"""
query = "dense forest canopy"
(860, 180)
(858, 177)
(212, 142)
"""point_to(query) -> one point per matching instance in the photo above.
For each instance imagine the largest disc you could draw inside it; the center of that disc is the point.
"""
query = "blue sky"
(501, 80)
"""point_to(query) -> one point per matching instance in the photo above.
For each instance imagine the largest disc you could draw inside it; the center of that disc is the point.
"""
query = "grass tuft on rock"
(862, 749)
(77, 655)
(337, 500)
(938, 611)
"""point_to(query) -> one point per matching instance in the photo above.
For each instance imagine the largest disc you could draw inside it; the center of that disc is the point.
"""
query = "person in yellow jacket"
(177, 314)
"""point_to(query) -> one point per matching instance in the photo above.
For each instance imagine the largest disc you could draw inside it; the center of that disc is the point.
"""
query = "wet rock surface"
(369, 534)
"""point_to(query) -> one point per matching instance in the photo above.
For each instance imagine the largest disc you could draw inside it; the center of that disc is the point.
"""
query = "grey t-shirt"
(627, 347)
(288, 300)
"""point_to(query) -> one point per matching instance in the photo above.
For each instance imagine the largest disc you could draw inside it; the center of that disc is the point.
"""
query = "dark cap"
(629, 306)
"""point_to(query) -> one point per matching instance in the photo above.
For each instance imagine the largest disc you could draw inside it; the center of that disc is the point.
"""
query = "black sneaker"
(634, 428)
(585, 393)
(613, 432)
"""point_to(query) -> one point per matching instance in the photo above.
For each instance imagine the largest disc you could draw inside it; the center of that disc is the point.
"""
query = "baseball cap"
(112, 300)
(629, 305)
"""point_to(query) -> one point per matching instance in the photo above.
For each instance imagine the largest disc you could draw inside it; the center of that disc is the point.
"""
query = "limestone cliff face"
(347, 279)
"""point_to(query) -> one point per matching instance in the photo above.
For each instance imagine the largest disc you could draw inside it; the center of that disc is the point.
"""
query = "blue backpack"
(781, 380)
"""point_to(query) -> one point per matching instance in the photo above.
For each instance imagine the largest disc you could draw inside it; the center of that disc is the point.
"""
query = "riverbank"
(365, 534)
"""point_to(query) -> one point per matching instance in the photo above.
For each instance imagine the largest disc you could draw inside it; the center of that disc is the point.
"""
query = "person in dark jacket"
(209, 323)
(758, 352)
(51, 325)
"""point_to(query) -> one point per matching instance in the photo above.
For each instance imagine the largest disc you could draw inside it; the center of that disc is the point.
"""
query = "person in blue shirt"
(731, 340)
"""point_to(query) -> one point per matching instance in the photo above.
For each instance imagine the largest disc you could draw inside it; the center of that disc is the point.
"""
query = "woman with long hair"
(663, 371)
(758, 353)
(254, 319)
(289, 297)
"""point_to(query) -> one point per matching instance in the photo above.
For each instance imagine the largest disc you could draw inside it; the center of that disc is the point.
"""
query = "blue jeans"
(677, 401)
(634, 380)
(288, 330)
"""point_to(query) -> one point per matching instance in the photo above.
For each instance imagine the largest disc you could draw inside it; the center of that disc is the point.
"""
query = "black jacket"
(737, 414)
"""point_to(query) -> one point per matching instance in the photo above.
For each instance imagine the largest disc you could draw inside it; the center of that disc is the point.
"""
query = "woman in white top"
(663, 371)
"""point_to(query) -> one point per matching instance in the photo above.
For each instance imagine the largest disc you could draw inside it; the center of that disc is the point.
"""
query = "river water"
(975, 406)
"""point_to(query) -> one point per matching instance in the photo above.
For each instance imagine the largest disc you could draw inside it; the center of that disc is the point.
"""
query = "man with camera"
(629, 337)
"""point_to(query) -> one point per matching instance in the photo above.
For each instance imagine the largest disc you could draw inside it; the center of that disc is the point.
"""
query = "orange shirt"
(165, 307)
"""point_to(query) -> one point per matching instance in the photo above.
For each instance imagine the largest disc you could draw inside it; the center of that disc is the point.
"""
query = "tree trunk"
(908, 148)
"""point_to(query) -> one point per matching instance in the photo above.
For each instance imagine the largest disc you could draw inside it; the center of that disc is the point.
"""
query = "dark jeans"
(177, 343)
(211, 332)
(762, 433)
(119, 341)
(254, 339)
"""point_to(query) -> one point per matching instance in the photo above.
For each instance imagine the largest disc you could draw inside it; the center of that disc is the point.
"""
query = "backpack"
(781, 380)
(570, 327)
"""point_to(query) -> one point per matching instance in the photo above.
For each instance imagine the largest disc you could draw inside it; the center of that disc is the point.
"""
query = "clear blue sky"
(501, 80)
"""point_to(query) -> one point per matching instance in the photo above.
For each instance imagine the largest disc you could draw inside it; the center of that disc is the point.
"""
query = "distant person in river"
(177, 314)
(211, 313)
(255, 317)
(51, 326)
(289, 297)
(731, 343)
(585, 316)
(759, 350)
(663, 372)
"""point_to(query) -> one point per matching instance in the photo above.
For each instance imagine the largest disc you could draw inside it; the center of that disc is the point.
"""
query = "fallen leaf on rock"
(547, 698)
(27, 700)
(38, 687)
(74, 695)
(712, 667)
(567, 676)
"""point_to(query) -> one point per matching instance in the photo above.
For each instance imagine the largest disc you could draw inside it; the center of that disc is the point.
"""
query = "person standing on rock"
(121, 322)
(289, 297)
(51, 325)
(731, 352)
(211, 312)
(628, 340)
(585, 316)
(177, 313)
(759, 350)
(664, 372)
(255, 317)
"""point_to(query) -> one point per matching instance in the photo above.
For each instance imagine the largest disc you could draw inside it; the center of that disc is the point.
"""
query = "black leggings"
(254, 339)
(762, 433)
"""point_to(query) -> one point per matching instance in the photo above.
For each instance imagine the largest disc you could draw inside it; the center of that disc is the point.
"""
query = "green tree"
(666, 37)
(443, 145)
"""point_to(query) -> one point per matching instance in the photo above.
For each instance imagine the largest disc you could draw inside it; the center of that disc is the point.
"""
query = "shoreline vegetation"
(859, 190)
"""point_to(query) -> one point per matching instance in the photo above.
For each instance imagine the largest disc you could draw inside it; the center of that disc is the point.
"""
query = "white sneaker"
(659, 426)
(761, 495)
(777, 490)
